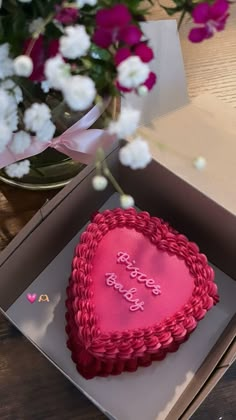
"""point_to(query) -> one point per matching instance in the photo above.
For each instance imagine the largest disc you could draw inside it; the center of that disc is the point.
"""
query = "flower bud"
(23, 66)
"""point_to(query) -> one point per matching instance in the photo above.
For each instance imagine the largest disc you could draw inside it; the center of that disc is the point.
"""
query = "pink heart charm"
(31, 297)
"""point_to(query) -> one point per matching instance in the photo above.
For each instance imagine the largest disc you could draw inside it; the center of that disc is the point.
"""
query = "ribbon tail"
(8, 157)
(88, 119)
(83, 146)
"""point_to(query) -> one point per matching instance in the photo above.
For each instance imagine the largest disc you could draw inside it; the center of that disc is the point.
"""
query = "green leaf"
(100, 53)
(172, 10)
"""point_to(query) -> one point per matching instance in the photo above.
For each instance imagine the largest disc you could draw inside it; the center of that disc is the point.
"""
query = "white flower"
(126, 201)
(75, 43)
(36, 117)
(79, 92)
(56, 71)
(23, 65)
(200, 163)
(47, 132)
(45, 86)
(99, 182)
(11, 115)
(142, 90)
(25, 1)
(36, 25)
(13, 89)
(4, 51)
(21, 141)
(136, 154)
(132, 72)
(5, 135)
(5, 101)
(8, 108)
(126, 123)
(82, 3)
(6, 67)
(17, 170)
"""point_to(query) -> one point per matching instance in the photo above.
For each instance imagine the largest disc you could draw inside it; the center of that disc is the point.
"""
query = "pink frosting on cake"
(168, 271)
(136, 291)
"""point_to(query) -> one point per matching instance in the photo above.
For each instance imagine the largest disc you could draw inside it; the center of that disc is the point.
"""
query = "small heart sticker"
(31, 297)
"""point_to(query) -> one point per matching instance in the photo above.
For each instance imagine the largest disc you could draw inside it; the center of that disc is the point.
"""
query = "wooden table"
(30, 387)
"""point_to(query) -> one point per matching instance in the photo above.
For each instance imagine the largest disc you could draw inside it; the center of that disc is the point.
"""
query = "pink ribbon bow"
(78, 142)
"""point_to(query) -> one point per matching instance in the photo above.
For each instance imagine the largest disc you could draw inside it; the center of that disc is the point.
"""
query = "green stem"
(181, 19)
(112, 180)
(36, 34)
(101, 164)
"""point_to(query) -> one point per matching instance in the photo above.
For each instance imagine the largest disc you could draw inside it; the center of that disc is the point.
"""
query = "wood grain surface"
(30, 387)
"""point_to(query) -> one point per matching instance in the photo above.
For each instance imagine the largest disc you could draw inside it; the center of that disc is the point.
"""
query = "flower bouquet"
(62, 63)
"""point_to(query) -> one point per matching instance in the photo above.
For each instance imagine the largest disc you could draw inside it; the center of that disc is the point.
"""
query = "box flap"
(185, 406)
(228, 358)
(38, 242)
(190, 211)
(196, 130)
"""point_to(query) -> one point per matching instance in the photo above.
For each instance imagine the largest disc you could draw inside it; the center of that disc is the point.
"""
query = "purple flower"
(212, 18)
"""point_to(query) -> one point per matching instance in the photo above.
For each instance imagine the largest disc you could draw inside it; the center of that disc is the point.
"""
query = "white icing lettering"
(111, 279)
(127, 294)
(138, 305)
(124, 258)
(157, 290)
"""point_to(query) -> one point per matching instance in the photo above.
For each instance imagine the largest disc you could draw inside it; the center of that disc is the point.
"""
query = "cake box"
(207, 217)
(185, 376)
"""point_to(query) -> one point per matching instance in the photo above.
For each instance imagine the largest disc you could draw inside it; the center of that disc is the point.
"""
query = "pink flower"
(66, 15)
(212, 18)
(130, 34)
(151, 80)
(144, 52)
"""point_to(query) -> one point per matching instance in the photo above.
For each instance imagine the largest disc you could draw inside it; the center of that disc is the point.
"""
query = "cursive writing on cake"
(127, 294)
(135, 272)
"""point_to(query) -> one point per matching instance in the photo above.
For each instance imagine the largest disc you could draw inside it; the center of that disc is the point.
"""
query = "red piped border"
(100, 354)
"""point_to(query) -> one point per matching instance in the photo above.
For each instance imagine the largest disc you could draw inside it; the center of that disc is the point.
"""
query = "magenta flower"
(212, 18)
(121, 55)
(144, 52)
(151, 80)
(122, 88)
(66, 15)
(114, 17)
(131, 35)
(109, 24)
(39, 54)
(102, 38)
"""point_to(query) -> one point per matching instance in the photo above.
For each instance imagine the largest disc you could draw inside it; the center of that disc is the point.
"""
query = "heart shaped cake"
(137, 290)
